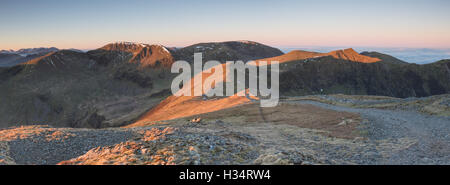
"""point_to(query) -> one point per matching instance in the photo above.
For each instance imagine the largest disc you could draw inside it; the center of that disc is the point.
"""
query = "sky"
(90, 24)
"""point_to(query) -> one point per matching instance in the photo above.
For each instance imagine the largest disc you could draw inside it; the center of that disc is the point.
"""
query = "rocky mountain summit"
(142, 54)
(227, 51)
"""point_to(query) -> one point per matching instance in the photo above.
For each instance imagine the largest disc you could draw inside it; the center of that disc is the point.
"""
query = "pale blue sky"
(88, 24)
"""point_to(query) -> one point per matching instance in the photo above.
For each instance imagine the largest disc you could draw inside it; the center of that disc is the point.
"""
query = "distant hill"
(351, 55)
(346, 54)
(30, 51)
(223, 51)
(11, 57)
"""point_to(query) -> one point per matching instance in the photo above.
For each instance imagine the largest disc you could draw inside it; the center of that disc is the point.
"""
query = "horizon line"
(274, 45)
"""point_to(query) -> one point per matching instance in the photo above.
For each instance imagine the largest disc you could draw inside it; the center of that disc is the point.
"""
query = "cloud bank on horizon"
(90, 24)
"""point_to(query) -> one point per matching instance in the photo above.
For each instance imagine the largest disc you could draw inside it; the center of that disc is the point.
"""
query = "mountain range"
(123, 83)
(11, 57)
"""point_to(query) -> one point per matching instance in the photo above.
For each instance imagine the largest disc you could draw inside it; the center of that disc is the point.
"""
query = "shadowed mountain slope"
(143, 54)
(327, 75)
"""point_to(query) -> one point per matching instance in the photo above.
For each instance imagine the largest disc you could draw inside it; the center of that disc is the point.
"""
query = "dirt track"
(295, 132)
(429, 135)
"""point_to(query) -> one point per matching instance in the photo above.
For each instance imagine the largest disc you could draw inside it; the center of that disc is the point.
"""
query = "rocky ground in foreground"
(334, 129)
